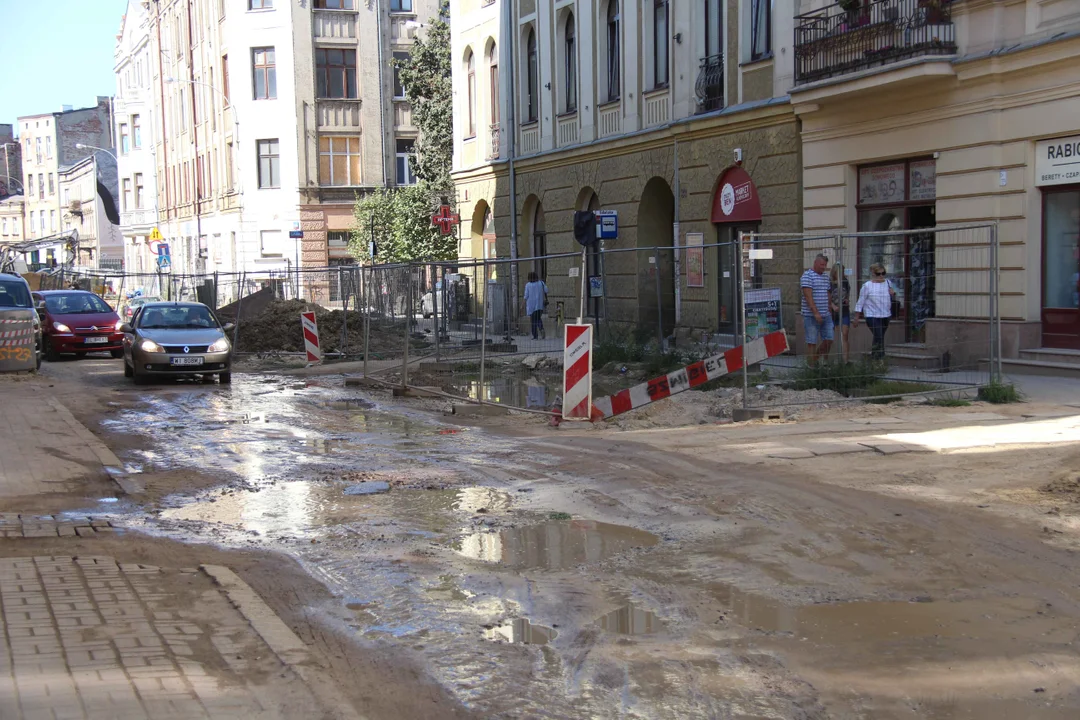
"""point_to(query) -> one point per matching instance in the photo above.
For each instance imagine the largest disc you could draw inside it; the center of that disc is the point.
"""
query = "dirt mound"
(1067, 487)
(278, 329)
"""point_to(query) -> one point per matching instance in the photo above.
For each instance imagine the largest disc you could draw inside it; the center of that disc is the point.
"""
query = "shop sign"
(923, 180)
(1057, 162)
(882, 184)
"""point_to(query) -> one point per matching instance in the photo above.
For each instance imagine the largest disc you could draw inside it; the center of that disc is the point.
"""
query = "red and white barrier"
(577, 372)
(311, 337)
(690, 376)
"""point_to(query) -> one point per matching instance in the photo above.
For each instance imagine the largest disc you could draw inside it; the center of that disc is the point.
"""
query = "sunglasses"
(879, 274)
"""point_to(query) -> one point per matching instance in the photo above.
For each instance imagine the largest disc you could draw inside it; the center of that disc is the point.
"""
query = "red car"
(76, 321)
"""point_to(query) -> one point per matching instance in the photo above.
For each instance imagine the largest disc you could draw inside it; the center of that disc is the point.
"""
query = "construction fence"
(492, 330)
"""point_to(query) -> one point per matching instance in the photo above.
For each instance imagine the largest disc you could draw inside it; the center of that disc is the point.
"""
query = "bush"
(838, 377)
(999, 393)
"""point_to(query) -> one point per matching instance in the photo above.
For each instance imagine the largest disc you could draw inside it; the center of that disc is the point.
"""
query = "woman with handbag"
(875, 304)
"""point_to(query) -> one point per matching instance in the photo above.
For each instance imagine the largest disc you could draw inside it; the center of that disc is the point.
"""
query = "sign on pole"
(577, 372)
(311, 337)
(445, 219)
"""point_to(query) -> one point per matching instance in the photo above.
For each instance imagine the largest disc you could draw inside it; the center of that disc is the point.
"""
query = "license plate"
(96, 340)
(187, 361)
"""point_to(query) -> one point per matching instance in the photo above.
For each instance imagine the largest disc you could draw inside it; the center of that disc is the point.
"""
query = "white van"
(20, 326)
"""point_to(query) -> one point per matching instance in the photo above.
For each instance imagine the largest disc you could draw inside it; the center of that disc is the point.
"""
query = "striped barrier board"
(577, 372)
(691, 376)
(17, 341)
(311, 337)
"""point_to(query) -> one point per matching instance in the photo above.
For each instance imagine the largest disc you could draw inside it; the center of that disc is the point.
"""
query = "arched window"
(614, 79)
(660, 43)
(570, 49)
(533, 81)
(470, 73)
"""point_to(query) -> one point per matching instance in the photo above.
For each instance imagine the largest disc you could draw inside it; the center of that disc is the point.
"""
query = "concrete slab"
(833, 447)
(886, 447)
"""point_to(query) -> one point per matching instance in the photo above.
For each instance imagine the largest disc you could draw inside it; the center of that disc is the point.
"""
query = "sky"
(57, 53)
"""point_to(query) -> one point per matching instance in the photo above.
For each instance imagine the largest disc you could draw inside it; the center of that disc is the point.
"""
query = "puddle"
(522, 632)
(630, 620)
(529, 391)
(554, 545)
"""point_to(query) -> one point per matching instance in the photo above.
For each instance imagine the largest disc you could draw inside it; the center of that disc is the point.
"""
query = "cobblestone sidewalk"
(86, 638)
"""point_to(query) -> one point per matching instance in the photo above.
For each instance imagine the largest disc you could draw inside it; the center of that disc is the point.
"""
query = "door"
(1061, 268)
(728, 274)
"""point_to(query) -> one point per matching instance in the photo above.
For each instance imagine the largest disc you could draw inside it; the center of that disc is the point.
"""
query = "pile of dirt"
(277, 329)
(1066, 487)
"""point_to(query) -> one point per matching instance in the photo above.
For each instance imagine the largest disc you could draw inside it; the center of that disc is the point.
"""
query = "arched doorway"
(480, 217)
(656, 271)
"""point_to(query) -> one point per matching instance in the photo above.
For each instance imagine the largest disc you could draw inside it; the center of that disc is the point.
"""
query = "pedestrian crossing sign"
(155, 235)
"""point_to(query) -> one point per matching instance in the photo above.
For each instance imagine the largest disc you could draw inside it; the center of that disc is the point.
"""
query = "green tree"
(400, 217)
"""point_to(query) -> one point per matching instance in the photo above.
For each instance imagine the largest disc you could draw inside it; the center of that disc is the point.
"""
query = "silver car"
(176, 338)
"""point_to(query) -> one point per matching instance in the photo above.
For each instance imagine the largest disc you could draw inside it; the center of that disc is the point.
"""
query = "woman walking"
(875, 304)
(535, 300)
(840, 305)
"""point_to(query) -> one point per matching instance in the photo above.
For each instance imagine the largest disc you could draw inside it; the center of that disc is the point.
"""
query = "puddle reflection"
(630, 620)
(521, 631)
(554, 545)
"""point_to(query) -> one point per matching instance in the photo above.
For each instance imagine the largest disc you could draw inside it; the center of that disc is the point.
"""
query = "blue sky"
(56, 53)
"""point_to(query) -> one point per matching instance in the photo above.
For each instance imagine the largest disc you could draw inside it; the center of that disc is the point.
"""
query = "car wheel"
(118, 353)
(128, 372)
(80, 355)
(50, 352)
(225, 378)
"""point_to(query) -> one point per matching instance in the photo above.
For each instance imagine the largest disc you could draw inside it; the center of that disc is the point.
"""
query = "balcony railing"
(709, 88)
(852, 36)
(493, 152)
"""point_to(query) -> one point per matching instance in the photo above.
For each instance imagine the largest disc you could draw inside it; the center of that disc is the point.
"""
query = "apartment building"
(12, 219)
(88, 206)
(50, 142)
(267, 119)
(647, 108)
(969, 111)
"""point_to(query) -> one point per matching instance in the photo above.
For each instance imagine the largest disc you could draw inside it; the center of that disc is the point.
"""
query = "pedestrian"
(535, 302)
(817, 320)
(875, 304)
(840, 306)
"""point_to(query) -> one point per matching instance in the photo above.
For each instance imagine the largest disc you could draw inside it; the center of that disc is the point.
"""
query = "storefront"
(1057, 175)
(736, 208)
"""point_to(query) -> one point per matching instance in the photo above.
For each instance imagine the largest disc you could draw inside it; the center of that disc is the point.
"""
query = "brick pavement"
(15, 525)
(86, 638)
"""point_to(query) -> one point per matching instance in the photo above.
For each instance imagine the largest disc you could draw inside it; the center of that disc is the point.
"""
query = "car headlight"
(221, 345)
(119, 324)
(61, 327)
(151, 347)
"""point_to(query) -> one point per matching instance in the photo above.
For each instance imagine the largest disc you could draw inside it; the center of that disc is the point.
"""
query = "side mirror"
(41, 306)
(126, 329)
(228, 327)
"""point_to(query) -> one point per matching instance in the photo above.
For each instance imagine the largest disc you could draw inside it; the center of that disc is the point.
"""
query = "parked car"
(429, 300)
(174, 339)
(77, 321)
(20, 326)
(135, 303)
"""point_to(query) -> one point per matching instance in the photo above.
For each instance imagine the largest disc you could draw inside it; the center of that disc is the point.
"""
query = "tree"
(400, 217)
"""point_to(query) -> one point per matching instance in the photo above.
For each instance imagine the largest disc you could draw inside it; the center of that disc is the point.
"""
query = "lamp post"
(110, 153)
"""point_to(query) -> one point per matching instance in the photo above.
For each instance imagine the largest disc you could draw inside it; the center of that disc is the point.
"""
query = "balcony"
(852, 36)
(493, 151)
(709, 88)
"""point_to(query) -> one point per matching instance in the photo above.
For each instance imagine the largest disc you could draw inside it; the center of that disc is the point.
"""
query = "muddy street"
(514, 570)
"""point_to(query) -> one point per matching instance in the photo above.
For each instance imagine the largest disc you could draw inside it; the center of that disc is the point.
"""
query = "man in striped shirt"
(817, 320)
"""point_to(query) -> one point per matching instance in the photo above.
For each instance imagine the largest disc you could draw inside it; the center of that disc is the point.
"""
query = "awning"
(736, 199)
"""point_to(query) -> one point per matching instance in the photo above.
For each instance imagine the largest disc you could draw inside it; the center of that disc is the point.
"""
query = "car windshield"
(189, 317)
(82, 303)
(14, 295)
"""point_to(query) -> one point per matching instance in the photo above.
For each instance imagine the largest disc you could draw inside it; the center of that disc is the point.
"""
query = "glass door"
(1061, 269)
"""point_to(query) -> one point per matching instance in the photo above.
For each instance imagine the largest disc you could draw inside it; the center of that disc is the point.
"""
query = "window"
(339, 161)
(37, 144)
(32, 213)
(270, 242)
(269, 164)
(125, 139)
(5, 232)
(470, 74)
(532, 82)
(30, 185)
(225, 79)
(333, 4)
(126, 194)
(67, 197)
(405, 150)
(52, 184)
(399, 87)
(260, 4)
(400, 5)
(48, 147)
(660, 43)
(41, 186)
(335, 73)
(493, 77)
(570, 51)
(265, 73)
(760, 29)
(138, 191)
(229, 165)
(52, 220)
(136, 131)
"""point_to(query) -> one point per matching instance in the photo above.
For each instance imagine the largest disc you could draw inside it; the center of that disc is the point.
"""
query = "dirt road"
(519, 571)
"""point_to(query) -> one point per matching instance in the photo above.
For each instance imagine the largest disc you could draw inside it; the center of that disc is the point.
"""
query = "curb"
(290, 649)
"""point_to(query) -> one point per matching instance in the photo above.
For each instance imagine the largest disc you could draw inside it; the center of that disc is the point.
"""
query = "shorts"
(816, 331)
(846, 320)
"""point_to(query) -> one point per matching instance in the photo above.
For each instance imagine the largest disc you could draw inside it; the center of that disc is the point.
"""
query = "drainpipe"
(382, 81)
(195, 140)
(511, 150)
(675, 244)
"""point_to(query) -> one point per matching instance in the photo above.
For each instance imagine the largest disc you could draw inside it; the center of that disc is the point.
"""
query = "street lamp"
(82, 146)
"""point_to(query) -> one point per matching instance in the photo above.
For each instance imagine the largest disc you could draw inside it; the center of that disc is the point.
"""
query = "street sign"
(163, 249)
(296, 234)
(445, 219)
(155, 235)
(607, 224)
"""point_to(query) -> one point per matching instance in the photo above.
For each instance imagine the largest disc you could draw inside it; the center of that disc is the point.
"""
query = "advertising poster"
(695, 260)
(763, 312)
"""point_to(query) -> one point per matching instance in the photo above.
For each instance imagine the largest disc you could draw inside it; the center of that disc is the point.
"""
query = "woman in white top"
(875, 304)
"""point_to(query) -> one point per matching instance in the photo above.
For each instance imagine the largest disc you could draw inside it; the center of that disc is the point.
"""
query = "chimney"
(67, 108)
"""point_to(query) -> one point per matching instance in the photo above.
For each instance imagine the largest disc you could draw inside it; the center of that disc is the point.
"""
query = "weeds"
(999, 393)
(838, 377)
(558, 516)
(951, 401)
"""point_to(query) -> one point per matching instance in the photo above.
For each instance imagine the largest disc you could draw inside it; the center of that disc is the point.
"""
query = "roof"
(174, 303)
